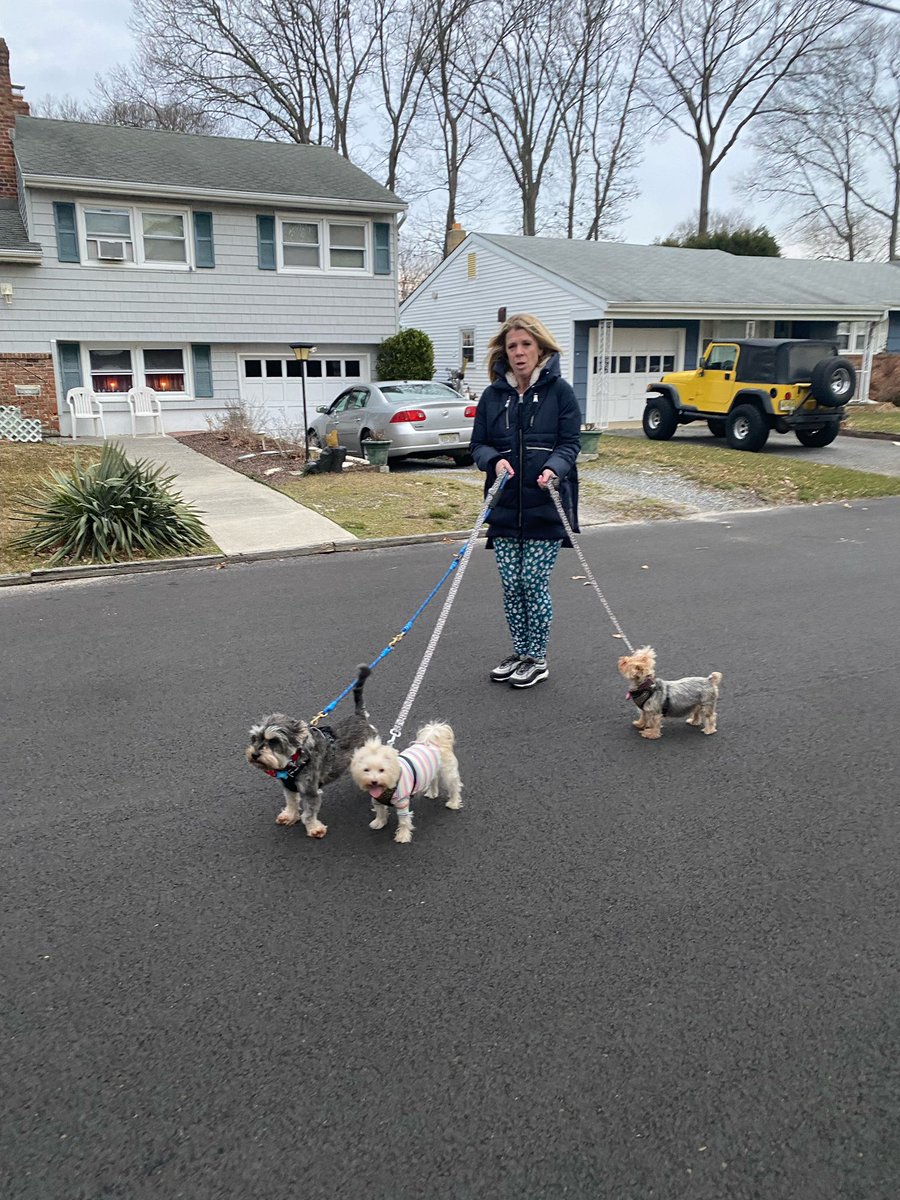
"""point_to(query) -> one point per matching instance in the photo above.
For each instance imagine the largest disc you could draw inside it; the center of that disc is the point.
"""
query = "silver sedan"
(417, 418)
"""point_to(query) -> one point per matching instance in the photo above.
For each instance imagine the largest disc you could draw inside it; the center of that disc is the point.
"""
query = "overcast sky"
(57, 49)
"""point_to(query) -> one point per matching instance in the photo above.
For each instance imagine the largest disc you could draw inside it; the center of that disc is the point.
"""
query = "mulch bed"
(262, 466)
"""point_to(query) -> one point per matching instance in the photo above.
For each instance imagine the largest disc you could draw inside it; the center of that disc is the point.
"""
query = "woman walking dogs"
(527, 423)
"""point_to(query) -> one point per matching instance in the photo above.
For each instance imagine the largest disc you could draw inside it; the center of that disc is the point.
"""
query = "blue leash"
(398, 638)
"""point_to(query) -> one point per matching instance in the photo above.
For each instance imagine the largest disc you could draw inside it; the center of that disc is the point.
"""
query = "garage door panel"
(638, 357)
(274, 384)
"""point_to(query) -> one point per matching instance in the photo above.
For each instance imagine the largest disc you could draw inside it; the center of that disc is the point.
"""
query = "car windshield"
(437, 390)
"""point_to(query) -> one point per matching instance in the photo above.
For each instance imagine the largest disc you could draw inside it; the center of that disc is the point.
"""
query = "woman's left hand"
(545, 477)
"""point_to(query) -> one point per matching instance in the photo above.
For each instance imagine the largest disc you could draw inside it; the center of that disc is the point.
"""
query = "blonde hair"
(547, 343)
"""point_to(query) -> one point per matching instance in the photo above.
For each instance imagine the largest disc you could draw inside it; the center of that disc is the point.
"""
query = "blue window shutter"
(265, 242)
(382, 248)
(69, 365)
(66, 232)
(204, 252)
(203, 380)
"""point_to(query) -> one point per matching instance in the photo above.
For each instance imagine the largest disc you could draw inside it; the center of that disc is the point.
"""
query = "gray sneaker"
(503, 670)
(529, 672)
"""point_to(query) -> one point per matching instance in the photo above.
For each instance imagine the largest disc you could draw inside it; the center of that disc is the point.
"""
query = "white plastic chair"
(84, 406)
(143, 402)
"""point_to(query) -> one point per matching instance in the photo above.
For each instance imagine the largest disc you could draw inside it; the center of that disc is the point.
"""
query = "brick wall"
(11, 105)
(28, 370)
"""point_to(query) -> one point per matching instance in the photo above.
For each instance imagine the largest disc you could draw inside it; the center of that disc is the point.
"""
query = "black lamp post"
(302, 352)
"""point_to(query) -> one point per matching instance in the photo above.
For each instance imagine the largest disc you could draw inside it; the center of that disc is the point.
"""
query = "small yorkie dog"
(392, 778)
(304, 758)
(694, 697)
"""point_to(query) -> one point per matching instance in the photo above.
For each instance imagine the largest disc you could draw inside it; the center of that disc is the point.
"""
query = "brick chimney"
(12, 105)
(455, 236)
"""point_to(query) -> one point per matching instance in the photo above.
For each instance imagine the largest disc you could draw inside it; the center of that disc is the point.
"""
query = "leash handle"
(554, 492)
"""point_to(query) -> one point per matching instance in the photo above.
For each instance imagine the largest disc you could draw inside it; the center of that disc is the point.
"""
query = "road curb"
(874, 435)
(72, 574)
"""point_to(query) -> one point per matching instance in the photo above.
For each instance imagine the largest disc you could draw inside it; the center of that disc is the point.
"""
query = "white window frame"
(466, 331)
(136, 220)
(324, 224)
(856, 333)
(138, 370)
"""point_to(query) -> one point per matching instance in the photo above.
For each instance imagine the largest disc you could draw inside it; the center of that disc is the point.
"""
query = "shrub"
(110, 511)
(241, 423)
(885, 385)
(409, 354)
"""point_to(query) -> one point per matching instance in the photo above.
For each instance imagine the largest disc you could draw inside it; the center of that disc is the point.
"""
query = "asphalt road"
(624, 970)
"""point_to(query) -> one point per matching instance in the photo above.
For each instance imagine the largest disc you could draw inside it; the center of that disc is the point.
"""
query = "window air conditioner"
(111, 250)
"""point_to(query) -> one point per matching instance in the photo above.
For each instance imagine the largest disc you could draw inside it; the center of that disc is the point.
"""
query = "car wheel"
(833, 382)
(659, 419)
(746, 428)
(314, 439)
(462, 460)
(816, 438)
(717, 426)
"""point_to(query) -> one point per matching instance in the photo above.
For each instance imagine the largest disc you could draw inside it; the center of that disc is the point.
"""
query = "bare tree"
(117, 100)
(465, 35)
(288, 68)
(715, 64)
(830, 153)
(530, 81)
(601, 128)
(403, 54)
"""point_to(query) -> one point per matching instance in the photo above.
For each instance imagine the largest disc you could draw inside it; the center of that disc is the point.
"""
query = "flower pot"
(376, 451)
(590, 441)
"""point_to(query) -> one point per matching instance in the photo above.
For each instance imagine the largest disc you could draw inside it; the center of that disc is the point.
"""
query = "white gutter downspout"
(865, 375)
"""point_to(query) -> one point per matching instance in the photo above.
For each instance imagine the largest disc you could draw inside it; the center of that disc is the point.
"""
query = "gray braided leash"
(587, 570)
(397, 727)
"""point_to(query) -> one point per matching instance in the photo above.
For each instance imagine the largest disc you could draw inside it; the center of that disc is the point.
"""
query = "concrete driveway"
(860, 454)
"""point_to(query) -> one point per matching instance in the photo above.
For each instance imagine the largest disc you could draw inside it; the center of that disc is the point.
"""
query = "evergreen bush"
(409, 354)
(109, 511)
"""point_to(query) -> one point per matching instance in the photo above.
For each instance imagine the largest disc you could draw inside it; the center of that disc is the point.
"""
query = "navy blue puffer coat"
(537, 432)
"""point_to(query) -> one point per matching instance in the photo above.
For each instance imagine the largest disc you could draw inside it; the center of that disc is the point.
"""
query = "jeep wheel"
(659, 419)
(818, 437)
(746, 428)
(833, 382)
(717, 426)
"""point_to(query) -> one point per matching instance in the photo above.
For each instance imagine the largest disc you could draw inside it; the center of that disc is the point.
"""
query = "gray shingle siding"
(234, 302)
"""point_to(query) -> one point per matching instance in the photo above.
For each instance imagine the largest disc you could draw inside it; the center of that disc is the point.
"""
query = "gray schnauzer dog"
(304, 758)
(694, 697)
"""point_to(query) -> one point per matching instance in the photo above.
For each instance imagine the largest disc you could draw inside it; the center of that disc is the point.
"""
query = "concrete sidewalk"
(242, 516)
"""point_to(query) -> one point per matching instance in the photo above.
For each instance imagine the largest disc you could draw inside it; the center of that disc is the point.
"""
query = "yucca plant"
(109, 511)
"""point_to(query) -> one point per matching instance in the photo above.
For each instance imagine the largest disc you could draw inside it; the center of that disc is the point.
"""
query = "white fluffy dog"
(392, 778)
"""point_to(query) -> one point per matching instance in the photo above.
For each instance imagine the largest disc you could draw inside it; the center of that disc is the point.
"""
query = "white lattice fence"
(16, 428)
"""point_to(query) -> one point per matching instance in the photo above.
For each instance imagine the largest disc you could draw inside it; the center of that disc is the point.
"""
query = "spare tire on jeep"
(833, 382)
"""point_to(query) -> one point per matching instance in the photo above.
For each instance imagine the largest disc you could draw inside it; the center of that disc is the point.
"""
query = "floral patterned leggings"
(525, 575)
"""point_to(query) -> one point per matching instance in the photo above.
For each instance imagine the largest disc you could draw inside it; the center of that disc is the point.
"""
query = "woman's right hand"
(503, 465)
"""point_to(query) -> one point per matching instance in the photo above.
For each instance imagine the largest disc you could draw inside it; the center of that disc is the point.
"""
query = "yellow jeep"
(746, 389)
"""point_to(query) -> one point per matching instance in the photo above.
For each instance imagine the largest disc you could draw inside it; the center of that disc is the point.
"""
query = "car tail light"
(408, 414)
(469, 414)
(787, 395)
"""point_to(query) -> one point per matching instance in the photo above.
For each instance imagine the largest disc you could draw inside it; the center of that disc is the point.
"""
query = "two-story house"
(188, 263)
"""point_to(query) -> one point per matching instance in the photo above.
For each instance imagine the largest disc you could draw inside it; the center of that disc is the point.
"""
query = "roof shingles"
(190, 162)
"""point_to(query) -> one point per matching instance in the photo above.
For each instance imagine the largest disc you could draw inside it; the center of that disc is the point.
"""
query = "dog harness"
(644, 691)
(419, 767)
(299, 759)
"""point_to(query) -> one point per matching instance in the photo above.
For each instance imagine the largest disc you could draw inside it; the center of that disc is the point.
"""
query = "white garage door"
(275, 383)
(638, 357)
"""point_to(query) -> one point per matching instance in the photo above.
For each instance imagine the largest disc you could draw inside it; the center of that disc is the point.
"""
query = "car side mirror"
(322, 408)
